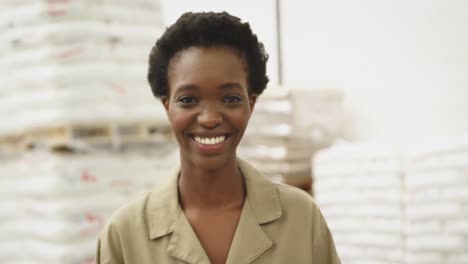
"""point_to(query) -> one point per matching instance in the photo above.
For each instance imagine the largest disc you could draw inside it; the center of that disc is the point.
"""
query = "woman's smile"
(214, 140)
(212, 144)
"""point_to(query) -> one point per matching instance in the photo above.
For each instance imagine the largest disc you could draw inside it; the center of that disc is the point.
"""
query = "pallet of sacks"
(65, 61)
(359, 190)
(400, 202)
(436, 201)
(54, 205)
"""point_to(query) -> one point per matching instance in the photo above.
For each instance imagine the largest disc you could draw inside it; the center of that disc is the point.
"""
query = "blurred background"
(366, 110)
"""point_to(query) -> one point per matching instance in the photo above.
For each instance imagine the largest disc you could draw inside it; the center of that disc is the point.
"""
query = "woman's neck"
(223, 188)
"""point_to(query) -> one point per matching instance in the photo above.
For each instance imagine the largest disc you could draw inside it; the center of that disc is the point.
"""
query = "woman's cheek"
(179, 116)
(181, 123)
(241, 119)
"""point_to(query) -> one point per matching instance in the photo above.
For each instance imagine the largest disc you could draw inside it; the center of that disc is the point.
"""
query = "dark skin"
(209, 100)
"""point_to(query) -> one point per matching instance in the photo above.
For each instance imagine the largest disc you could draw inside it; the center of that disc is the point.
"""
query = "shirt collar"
(163, 202)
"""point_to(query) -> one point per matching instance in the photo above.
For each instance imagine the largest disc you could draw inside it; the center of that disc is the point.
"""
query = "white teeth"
(210, 141)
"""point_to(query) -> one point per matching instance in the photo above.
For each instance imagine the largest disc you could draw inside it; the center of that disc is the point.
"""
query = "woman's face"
(208, 105)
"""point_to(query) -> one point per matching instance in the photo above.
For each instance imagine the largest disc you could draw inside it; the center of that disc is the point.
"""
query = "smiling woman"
(208, 70)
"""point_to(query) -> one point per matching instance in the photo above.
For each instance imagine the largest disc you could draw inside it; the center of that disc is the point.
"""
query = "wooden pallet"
(73, 136)
(11, 144)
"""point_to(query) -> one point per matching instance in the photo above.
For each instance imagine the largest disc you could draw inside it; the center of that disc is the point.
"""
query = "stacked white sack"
(359, 189)
(286, 127)
(76, 61)
(55, 205)
(437, 202)
(268, 142)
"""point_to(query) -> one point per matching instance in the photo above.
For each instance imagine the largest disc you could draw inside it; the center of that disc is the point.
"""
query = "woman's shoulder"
(156, 204)
(292, 200)
(301, 210)
(130, 213)
(152, 213)
(296, 201)
(290, 193)
(128, 228)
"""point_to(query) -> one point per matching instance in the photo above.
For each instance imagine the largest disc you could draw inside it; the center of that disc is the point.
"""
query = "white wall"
(402, 64)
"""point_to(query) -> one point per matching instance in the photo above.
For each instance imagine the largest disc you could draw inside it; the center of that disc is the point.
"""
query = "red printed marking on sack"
(88, 177)
(70, 53)
(89, 260)
(53, 12)
(55, 2)
(117, 88)
(57, 7)
(94, 219)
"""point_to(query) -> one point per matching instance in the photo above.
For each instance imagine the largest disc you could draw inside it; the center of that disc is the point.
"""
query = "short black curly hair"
(207, 29)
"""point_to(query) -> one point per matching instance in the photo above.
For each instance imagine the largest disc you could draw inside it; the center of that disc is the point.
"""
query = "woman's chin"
(211, 163)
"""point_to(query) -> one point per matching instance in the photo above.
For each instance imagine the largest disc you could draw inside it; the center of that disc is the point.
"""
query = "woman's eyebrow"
(187, 87)
(229, 86)
(192, 87)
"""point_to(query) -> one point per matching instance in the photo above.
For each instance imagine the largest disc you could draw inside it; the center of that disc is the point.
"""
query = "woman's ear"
(252, 101)
(165, 102)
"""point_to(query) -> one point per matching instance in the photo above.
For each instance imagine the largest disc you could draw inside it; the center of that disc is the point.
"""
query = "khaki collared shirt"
(278, 224)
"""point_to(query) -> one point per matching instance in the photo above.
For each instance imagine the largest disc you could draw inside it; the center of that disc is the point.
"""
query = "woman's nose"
(210, 117)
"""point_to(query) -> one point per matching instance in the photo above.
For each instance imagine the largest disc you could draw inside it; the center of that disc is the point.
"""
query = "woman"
(208, 70)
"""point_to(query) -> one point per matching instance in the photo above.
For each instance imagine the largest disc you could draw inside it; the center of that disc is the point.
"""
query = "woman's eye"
(187, 100)
(232, 99)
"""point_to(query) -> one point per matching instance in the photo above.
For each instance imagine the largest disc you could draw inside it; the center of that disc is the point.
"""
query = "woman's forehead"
(199, 67)
(206, 53)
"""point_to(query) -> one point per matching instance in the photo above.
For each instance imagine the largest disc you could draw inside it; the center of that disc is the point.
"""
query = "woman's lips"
(210, 140)
(210, 144)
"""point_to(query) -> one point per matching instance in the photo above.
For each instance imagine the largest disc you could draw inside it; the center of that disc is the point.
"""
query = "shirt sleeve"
(323, 248)
(109, 247)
